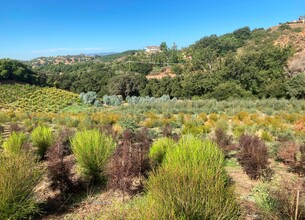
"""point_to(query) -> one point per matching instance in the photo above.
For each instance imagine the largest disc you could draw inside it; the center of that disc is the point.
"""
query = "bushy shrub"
(224, 141)
(284, 27)
(88, 98)
(191, 184)
(14, 128)
(130, 163)
(112, 100)
(128, 123)
(92, 150)
(239, 130)
(97, 103)
(59, 170)
(133, 99)
(299, 166)
(64, 137)
(288, 152)
(42, 138)
(167, 131)
(15, 143)
(19, 175)
(194, 128)
(159, 149)
(253, 157)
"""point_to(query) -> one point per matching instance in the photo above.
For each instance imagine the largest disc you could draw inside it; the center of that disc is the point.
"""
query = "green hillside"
(25, 97)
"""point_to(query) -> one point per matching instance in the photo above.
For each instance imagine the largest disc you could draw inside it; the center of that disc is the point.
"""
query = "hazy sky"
(33, 28)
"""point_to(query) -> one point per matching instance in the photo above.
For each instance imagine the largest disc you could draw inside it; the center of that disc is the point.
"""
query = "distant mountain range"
(102, 54)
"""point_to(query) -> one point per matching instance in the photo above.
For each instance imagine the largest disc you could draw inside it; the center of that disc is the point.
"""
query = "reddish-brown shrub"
(14, 128)
(288, 152)
(130, 162)
(59, 167)
(167, 131)
(299, 166)
(64, 137)
(224, 141)
(253, 157)
(59, 170)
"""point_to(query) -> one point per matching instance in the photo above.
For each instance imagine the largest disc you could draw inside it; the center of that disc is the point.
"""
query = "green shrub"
(194, 128)
(284, 27)
(42, 138)
(191, 184)
(92, 149)
(15, 142)
(128, 123)
(19, 176)
(112, 100)
(88, 98)
(159, 149)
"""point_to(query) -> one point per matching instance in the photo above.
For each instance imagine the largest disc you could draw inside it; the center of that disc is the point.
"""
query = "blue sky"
(33, 28)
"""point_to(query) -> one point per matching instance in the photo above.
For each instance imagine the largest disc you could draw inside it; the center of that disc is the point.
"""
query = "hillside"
(74, 59)
(69, 59)
(245, 63)
(295, 36)
(30, 98)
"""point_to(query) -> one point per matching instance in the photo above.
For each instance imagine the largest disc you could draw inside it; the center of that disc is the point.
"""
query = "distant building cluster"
(152, 49)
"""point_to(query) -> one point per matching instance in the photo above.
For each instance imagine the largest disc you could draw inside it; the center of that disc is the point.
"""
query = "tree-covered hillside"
(245, 63)
(17, 71)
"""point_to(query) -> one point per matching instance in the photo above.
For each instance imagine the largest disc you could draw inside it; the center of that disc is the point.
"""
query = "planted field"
(30, 98)
(148, 161)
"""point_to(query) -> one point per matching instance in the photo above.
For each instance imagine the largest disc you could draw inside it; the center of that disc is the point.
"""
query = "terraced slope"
(25, 97)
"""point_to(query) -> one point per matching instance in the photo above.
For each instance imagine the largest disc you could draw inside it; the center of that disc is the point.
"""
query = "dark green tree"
(295, 86)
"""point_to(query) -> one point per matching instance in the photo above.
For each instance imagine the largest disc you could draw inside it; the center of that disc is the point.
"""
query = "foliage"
(17, 71)
(128, 123)
(295, 86)
(15, 143)
(191, 184)
(92, 150)
(126, 85)
(112, 100)
(229, 90)
(19, 176)
(284, 27)
(159, 149)
(88, 98)
(42, 138)
(79, 77)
